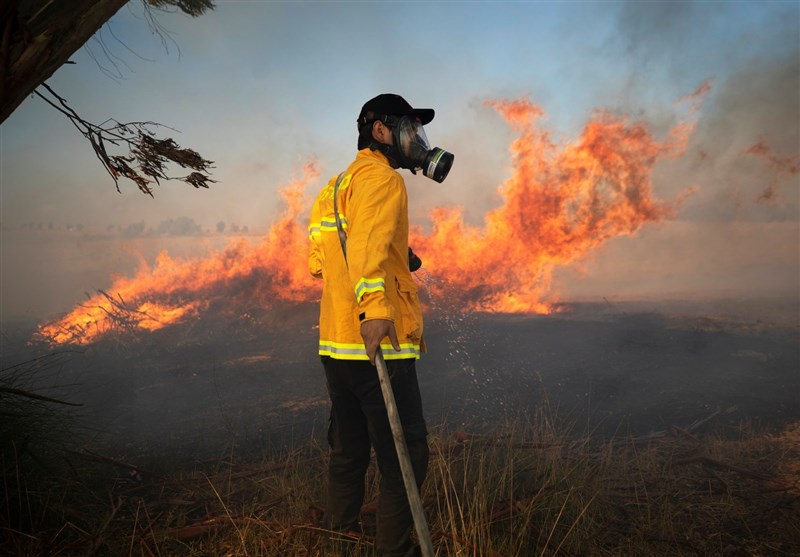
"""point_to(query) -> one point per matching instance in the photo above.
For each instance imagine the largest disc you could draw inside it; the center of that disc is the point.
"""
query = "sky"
(263, 87)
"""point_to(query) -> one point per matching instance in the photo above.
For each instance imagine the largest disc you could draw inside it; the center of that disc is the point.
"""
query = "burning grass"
(529, 489)
(561, 202)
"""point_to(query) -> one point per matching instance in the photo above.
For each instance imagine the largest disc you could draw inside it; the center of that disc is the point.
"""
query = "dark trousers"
(358, 421)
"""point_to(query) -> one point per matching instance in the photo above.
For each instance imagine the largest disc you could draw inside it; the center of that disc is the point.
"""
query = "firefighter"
(359, 248)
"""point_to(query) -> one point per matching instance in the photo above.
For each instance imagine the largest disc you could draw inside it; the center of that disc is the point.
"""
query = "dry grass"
(529, 489)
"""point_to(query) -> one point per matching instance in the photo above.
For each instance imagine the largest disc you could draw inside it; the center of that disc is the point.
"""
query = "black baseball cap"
(388, 104)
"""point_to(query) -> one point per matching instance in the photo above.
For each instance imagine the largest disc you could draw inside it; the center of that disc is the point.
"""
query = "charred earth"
(254, 381)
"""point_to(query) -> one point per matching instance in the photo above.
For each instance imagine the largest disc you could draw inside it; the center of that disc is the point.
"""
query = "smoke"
(753, 55)
(758, 106)
(662, 51)
(242, 276)
(649, 30)
(738, 233)
(779, 165)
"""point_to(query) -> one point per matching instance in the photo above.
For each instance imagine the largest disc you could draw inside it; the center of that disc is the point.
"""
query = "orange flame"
(778, 164)
(242, 275)
(698, 95)
(560, 203)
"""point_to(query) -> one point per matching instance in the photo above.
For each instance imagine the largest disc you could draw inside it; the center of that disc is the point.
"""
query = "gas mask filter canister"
(412, 144)
(437, 164)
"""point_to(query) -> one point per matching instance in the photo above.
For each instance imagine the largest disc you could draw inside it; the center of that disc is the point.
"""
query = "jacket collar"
(368, 153)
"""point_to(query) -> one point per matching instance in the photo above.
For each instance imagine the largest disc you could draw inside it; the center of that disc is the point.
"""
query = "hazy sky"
(260, 87)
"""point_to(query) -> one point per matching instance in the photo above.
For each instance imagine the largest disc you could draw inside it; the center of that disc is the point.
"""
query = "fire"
(782, 164)
(87, 323)
(698, 95)
(778, 164)
(172, 289)
(156, 316)
(559, 204)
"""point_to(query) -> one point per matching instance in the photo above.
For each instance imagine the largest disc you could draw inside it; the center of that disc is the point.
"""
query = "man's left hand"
(374, 331)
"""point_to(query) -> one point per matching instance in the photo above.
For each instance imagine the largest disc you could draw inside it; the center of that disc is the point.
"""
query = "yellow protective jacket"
(375, 282)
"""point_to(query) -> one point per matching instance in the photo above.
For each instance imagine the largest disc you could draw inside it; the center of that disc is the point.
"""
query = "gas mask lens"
(413, 144)
(412, 141)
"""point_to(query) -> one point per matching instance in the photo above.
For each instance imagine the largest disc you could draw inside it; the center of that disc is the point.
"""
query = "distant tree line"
(180, 226)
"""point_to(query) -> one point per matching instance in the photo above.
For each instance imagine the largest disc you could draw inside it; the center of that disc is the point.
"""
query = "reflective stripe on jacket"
(375, 283)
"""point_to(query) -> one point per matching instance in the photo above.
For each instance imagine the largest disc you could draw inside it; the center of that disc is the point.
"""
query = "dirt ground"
(254, 382)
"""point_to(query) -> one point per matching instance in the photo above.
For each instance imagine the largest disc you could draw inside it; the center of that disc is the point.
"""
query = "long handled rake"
(410, 482)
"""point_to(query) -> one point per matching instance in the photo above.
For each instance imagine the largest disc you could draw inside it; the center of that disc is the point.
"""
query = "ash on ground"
(253, 382)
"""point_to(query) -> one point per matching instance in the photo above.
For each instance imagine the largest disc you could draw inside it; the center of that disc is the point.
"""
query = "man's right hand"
(374, 331)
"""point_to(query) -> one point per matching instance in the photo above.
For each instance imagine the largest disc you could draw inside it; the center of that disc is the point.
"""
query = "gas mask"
(412, 151)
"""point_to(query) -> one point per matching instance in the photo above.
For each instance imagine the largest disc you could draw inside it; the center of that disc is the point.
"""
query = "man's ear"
(376, 130)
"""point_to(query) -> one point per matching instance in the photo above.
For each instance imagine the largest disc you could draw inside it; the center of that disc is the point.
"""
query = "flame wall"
(559, 203)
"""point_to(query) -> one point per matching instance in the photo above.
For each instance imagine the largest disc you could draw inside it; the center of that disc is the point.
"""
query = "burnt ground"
(254, 382)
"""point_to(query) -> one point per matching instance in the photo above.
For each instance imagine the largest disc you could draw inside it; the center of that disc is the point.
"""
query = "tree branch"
(148, 156)
(26, 394)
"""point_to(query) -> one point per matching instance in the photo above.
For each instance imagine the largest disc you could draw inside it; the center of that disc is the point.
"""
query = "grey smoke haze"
(260, 116)
(760, 102)
(726, 241)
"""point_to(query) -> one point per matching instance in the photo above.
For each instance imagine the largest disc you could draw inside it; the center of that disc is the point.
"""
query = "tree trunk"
(38, 37)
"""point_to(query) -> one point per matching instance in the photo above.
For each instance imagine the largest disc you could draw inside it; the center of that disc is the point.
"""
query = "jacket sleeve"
(315, 256)
(374, 210)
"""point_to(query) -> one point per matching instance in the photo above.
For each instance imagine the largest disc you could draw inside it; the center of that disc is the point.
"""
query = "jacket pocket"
(410, 310)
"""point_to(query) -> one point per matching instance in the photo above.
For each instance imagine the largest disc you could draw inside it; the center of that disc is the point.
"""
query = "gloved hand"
(414, 262)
